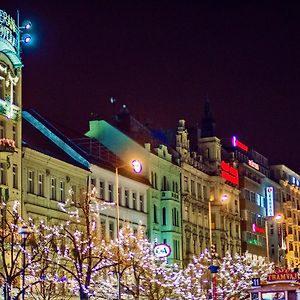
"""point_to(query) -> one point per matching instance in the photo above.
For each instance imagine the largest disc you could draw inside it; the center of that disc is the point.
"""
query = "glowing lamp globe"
(26, 38)
(27, 24)
(137, 166)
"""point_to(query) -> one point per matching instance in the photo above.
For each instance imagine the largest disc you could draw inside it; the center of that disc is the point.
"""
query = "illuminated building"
(10, 108)
(258, 198)
(201, 183)
(130, 139)
(289, 182)
(53, 165)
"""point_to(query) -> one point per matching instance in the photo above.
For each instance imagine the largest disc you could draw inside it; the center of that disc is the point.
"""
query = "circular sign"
(162, 250)
(137, 166)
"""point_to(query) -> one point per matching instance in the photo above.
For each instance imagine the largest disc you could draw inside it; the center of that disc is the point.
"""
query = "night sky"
(163, 59)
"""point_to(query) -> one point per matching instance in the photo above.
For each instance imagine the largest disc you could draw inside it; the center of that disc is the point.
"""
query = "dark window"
(164, 219)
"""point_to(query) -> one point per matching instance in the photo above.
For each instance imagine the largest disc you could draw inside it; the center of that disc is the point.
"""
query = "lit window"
(141, 203)
(14, 134)
(110, 192)
(53, 188)
(134, 200)
(41, 184)
(15, 176)
(111, 230)
(126, 198)
(30, 187)
(101, 190)
(62, 194)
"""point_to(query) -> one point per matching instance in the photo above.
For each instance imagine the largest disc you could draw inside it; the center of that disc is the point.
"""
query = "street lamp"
(24, 231)
(22, 38)
(279, 219)
(137, 168)
(214, 268)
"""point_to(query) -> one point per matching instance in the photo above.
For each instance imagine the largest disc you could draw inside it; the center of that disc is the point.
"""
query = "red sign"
(257, 229)
(237, 143)
(282, 276)
(229, 173)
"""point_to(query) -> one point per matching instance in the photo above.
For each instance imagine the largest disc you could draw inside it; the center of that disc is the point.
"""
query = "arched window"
(154, 213)
(164, 216)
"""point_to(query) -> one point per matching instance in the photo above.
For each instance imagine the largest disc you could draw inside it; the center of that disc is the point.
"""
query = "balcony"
(169, 195)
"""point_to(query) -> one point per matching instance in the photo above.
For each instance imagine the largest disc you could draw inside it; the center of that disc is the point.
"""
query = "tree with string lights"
(80, 252)
(235, 274)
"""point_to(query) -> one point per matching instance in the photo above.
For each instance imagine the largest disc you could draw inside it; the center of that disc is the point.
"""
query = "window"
(193, 191)
(175, 217)
(2, 129)
(74, 194)
(154, 213)
(101, 190)
(30, 187)
(14, 134)
(205, 192)
(62, 194)
(103, 229)
(155, 180)
(176, 249)
(53, 188)
(198, 190)
(15, 176)
(185, 184)
(111, 230)
(134, 200)
(165, 185)
(126, 198)
(93, 182)
(141, 203)
(110, 192)
(164, 216)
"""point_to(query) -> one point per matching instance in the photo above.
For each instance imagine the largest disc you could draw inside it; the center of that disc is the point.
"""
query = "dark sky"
(163, 58)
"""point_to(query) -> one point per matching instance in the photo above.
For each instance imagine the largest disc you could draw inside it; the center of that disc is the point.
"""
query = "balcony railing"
(169, 195)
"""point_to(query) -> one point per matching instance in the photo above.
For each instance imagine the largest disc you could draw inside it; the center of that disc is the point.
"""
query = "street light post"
(213, 268)
(24, 231)
(137, 168)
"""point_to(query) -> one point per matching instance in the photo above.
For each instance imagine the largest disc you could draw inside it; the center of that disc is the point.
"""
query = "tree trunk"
(83, 295)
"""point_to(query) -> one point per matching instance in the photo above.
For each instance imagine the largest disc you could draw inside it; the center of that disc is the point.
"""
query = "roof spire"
(208, 124)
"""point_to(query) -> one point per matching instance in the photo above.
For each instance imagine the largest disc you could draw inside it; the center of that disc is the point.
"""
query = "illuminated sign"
(282, 276)
(8, 29)
(162, 250)
(252, 242)
(270, 201)
(255, 228)
(229, 173)
(253, 164)
(237, 143)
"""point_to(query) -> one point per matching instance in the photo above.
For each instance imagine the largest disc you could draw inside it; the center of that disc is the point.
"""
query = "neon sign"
(270, 201)
(253, 164)
(8, 29)
(237, 143)
(255, 228)
(229, 173)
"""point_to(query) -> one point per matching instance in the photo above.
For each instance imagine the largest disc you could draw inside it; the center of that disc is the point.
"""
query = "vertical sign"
(270, 201)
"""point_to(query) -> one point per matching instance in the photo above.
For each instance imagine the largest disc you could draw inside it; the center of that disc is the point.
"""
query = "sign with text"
(162, 250)
(270, 201)
(229, 173)
(238, 144)
(283, 276)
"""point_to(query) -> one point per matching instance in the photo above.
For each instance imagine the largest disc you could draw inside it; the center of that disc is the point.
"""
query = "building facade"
(289, 233)
(10, 111)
